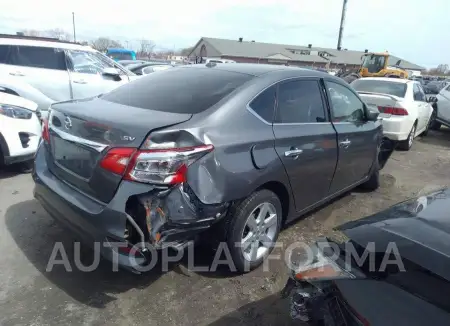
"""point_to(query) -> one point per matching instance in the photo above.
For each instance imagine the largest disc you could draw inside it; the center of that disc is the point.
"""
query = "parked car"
(121, 54)
(20, 129)
(391, 268)
(434, 87)
(175, 153)
(138, 69)
(442, 101)
(127, 63)
(151, 69)
(50, 71)
(402, 104)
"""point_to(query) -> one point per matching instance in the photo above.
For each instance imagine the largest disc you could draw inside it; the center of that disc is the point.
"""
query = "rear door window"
(178, 90)
(346, 106)
(264, 104)
(418, 95)
(299, 101)
(38, 57)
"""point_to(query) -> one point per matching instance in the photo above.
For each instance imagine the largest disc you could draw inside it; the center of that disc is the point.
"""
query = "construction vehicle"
(374, 65)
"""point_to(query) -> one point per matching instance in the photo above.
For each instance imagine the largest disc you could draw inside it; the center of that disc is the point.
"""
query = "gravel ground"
(31, 296)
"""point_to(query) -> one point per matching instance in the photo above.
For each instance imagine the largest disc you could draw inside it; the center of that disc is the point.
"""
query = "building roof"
(293, 52)
(258, 50)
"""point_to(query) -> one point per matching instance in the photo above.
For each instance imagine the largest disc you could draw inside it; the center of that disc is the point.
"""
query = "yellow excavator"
(374, 65)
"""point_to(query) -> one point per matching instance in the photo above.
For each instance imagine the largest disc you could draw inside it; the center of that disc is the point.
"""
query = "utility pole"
(73, 23)
(341, 27)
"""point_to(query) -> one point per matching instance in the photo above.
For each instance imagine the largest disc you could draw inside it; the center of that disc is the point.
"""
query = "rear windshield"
(178, 90)
(380, 86)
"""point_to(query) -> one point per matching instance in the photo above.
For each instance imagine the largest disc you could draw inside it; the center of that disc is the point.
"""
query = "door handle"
(345, 143)
(16, 73)
(295, 152)
(80, 81)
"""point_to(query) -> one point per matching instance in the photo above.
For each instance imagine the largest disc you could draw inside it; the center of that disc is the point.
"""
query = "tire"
(374, 181)
(239, 229)
(430, 122)
(405, 145)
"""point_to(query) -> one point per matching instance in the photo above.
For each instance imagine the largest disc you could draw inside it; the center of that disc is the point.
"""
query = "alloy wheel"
(259, 232)
(411, 135)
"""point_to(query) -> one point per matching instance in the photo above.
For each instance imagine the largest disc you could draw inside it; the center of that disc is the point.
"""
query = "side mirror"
(372, 115)
(113, 72)
(432, 99)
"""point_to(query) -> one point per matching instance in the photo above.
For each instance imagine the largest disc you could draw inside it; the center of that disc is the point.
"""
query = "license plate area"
(74, 158)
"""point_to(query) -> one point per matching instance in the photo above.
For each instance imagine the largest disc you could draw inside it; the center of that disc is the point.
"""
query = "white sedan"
(402, 104)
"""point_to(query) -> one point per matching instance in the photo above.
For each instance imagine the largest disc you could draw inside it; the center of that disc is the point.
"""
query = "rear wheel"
(254, 229)
(406, 144)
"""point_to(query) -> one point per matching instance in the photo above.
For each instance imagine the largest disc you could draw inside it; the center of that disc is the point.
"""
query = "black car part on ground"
(409, 290)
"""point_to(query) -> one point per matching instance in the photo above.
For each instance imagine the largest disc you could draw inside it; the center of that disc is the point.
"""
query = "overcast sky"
(415, 30)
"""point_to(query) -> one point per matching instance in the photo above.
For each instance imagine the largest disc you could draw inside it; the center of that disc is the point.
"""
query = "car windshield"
(178, 90)
(380, 86)
(373, 63)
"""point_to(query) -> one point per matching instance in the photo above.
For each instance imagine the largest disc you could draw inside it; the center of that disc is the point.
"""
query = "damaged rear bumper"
(139, 215)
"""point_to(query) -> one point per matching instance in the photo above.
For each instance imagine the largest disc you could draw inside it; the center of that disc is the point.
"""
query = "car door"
(443, 104)
(305, 140)
(44, 68)
(424, 108)
(358, 138)
(86, 74)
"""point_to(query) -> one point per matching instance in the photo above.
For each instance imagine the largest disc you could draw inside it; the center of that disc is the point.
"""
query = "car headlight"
(15, 112)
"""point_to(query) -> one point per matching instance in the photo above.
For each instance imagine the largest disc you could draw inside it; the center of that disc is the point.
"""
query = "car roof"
(395, 80)
(258, 69)
(45, 44)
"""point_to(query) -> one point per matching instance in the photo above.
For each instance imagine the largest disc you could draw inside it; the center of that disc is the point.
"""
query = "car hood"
(419, 227)
(14, 100)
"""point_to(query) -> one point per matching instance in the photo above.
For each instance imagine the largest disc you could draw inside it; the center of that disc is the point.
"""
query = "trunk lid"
(376, 100)
(81, 132)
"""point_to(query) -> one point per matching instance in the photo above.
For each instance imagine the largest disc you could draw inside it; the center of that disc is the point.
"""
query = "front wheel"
(254, 229)
(406, 144)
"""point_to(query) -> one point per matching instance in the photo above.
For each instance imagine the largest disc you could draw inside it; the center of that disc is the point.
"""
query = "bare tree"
(146, 49)
(186, 51)
(103, 43)
(442, 68)
(58, 33)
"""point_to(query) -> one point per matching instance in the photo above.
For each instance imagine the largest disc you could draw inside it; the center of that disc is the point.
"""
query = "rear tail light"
(164, 166)
(45, 131)
(392, 110)
(159, 165)
(117, 159)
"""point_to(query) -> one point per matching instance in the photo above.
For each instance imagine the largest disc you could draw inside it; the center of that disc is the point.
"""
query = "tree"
(146, 49)
(103, 43)
(442, 68)
(186, 51)
(58, 33)
(31, 32)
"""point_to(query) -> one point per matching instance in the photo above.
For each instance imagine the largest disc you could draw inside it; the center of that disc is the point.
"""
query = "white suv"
(20, 129)
(47, 71)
